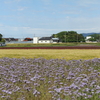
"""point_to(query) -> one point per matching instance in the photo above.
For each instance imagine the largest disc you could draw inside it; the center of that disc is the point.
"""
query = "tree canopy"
(69, 36)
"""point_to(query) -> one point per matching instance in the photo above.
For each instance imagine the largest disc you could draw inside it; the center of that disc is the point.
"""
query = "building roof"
(45, 38)
(55, 38)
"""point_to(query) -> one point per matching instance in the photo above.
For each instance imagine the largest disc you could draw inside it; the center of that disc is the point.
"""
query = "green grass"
(52, 44)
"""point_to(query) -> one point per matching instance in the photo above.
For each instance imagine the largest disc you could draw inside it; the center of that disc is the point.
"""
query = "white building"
(35, 39)
(45, 40)
(88, 41)
(88, 37)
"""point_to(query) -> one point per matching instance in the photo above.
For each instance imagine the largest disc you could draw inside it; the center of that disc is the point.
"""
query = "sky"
(42, 18)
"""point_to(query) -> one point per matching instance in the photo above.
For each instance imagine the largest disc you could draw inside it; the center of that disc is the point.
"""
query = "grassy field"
(36, 45)
(51, 44)
(68, 54)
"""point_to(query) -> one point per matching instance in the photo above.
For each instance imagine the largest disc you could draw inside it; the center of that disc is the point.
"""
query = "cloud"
(1, 25)
(21, 8)
(84, 24)
(46, 2)
(12, 31)
(11, 1)
(18, 0)
(87, 3)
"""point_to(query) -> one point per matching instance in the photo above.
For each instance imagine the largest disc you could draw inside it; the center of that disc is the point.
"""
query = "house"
(28, 39)
(45, 40)
(87, 39)
(10, 39)
(55, 40)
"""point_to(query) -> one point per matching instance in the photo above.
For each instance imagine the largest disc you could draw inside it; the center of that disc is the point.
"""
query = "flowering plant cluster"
(54, 79)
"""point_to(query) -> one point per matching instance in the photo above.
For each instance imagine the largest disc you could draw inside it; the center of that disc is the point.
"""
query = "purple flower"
(39, 78)
(58, 90)
(73, 86)
(35, 92)
(6, 91)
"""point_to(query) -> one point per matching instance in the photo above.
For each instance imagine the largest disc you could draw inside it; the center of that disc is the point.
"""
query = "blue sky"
(29, 18)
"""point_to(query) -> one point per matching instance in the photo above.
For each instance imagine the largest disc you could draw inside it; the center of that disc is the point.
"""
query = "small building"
(45, 40)
(36, 40)
(88, 37)
(55, 40)
(28, 39)
(88, 41)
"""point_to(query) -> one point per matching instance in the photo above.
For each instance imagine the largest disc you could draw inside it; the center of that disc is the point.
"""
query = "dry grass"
(51, 54)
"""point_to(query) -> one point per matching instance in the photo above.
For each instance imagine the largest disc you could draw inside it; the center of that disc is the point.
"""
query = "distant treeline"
(69, 36)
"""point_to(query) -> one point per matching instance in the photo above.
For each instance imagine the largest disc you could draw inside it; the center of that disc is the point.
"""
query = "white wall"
(45, 41)
(88, 37)
(35, 39)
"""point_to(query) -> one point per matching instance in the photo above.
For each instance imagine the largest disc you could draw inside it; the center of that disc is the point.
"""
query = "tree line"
(64, 36)
(69, 36)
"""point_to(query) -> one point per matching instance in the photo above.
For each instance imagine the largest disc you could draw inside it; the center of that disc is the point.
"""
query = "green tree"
(69, 36)
(72, 36)
(81, 38)
(0, 37)
(91, 39)
(61, 35)
(3, 40)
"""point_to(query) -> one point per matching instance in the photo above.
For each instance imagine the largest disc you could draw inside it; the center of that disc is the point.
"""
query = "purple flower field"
(54, 79)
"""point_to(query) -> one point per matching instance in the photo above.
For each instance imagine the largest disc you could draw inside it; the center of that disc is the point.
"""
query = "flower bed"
(54, 79)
